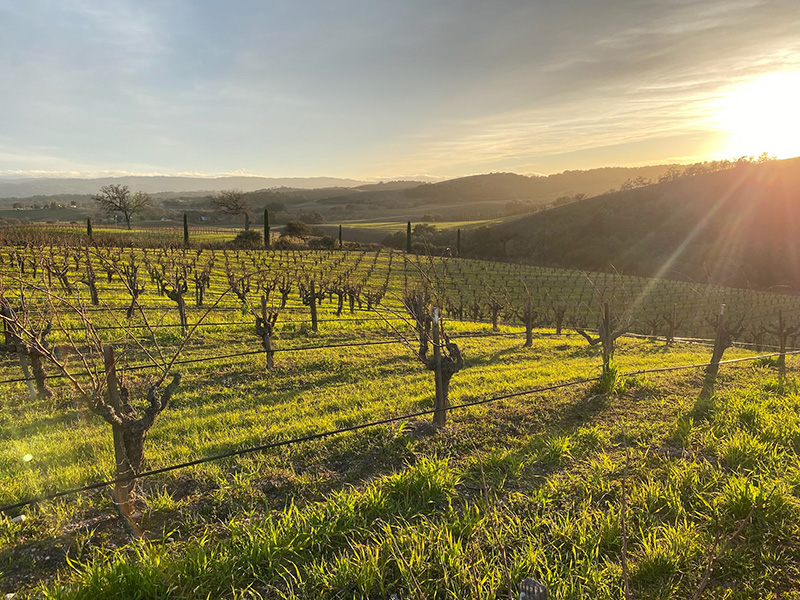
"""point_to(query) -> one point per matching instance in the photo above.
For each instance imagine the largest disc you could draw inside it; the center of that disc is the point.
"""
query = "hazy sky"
(374, 88)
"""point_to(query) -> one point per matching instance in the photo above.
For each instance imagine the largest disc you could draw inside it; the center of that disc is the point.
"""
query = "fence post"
(439, 406)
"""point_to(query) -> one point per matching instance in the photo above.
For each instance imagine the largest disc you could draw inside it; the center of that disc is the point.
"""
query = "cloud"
(359, 87)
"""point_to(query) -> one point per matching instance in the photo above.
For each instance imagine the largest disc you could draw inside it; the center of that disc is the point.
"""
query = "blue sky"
(377, 89)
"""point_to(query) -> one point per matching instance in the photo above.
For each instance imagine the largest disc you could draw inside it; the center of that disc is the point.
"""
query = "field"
(640, 480)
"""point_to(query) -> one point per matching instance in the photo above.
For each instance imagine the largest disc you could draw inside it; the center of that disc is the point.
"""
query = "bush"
(297, 229)
(248, 239)
(325, 241)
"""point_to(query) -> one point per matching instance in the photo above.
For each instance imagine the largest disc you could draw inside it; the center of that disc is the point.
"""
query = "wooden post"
(26, 372)
(782, 335)
(266, 228)
(439, 407)
(122, 490)
(185, 229)
(606, 338)
(267, 335)
(314, 327)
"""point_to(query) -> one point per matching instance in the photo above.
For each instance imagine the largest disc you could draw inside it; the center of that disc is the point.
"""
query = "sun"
(762, 115)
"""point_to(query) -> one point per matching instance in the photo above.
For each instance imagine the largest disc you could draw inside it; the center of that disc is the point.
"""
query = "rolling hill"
(738, 227)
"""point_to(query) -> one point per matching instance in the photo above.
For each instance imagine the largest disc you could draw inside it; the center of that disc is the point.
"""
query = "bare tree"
(118, 198)
(232, 202)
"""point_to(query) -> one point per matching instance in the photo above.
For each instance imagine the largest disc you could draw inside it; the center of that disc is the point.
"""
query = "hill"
(510, 186)
(739, 227)
(21, 188)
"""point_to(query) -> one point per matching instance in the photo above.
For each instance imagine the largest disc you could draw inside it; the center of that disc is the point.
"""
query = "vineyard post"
(782, 335)
(440, 406)
(185, 229)
(313, 305)
(607, 339)
(420, 315)
(23, 363)
(408, 238)
(266, 228)
(124, 470)
(267, 335)
(528, 318)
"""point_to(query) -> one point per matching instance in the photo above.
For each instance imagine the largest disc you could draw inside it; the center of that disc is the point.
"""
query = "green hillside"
(735, 227)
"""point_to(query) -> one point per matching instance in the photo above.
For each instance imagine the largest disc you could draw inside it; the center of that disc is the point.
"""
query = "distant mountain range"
(22, 188)
(475, 188)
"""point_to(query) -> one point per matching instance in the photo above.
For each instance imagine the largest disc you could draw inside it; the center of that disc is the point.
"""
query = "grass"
(409, 513)
(524, 486)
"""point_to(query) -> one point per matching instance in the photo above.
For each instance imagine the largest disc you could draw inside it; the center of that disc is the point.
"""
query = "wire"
(189, 361)
(324, 434)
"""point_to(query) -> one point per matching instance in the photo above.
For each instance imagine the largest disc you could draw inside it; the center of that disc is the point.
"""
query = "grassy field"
(531, 485)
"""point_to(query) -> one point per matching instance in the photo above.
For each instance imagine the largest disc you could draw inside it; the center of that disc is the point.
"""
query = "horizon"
(370, 90)
(422, 178)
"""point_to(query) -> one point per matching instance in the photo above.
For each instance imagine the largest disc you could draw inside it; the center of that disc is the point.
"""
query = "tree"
(118, 198)
(232, 202)
(297, 229)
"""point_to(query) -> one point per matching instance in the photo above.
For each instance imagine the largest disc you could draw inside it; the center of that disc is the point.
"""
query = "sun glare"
(763, 116)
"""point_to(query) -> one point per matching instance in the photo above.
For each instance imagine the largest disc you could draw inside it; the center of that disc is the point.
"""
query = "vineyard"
(348, 423)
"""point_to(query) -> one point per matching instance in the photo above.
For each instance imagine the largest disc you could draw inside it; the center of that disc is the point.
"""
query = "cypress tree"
(340, 237)
(185, 229)
(89, 227)
(408, 238)
(458, 242)
(266, 228)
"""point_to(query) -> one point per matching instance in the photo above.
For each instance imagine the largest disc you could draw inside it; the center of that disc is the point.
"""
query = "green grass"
(423, 522)
(525, 486)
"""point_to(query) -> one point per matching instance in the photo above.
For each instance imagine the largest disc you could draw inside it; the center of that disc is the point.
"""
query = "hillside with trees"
(738, 226)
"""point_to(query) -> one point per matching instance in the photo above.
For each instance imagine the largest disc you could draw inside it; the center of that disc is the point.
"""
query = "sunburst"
(762, 115)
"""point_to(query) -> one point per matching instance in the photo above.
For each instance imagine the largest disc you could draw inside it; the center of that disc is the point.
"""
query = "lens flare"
(762, 116)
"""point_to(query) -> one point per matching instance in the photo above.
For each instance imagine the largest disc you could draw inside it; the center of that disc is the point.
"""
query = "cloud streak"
(360, 87)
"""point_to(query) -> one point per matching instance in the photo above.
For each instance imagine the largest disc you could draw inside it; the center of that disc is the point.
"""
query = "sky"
(380, 89)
